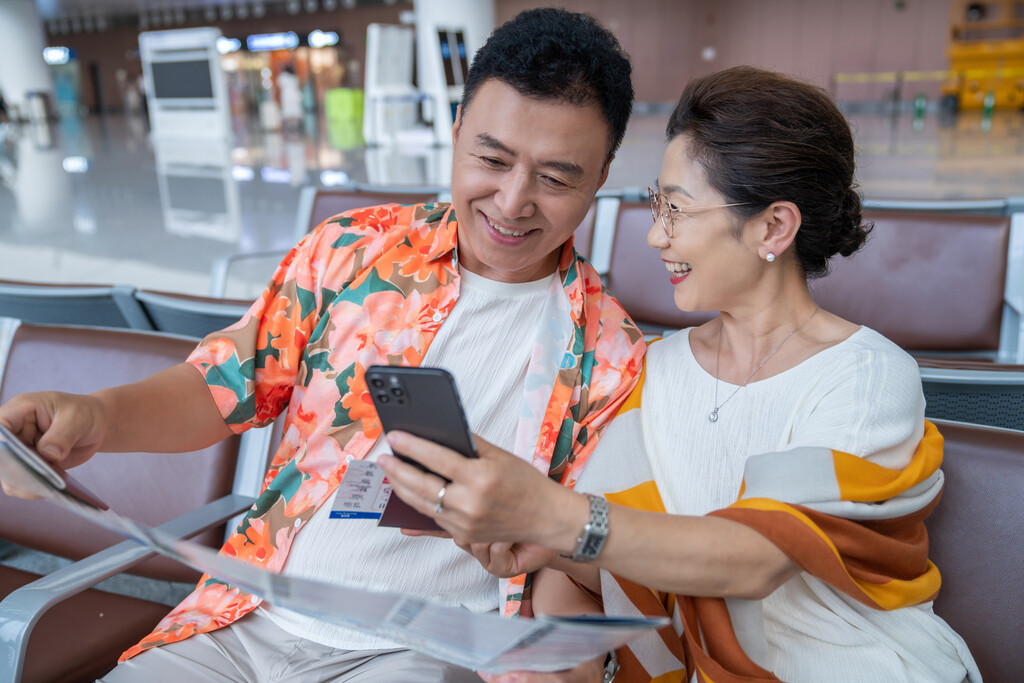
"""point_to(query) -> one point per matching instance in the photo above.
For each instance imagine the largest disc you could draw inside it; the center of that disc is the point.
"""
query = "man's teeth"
(677, 268)
(505, 231)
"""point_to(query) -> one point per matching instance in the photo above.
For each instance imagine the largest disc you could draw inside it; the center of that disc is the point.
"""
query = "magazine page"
(483, 642)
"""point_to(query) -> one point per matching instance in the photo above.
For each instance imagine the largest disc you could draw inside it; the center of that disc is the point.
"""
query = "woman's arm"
(498, 497)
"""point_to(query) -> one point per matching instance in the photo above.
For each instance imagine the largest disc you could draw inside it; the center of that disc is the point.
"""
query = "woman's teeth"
(677, 268)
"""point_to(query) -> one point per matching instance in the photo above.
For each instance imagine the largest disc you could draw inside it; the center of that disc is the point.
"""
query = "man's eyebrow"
(569, 168)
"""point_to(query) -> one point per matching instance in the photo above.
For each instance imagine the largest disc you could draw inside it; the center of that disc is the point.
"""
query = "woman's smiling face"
(709, 262)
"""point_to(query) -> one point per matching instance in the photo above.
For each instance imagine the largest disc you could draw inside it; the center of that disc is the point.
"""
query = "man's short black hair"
(554, 54)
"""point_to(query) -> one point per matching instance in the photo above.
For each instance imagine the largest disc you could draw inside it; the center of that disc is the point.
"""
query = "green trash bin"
(343, 111)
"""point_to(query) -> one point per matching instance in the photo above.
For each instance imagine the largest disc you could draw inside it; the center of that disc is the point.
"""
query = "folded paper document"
(483, 642)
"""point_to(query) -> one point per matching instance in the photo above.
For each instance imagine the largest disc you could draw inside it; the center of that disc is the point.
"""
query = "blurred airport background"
(143, 163)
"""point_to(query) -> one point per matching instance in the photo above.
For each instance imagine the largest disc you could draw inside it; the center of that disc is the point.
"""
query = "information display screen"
(179, 80)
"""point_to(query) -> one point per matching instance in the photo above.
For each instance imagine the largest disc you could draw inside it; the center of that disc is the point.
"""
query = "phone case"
(423, 402)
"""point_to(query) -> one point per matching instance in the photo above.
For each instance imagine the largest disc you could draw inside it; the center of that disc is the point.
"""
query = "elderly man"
(488, 287)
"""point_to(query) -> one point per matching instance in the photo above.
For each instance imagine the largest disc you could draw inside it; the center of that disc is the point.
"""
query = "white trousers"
(255, 650)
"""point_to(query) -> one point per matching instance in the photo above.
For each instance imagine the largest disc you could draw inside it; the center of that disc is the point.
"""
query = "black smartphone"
(423, 402)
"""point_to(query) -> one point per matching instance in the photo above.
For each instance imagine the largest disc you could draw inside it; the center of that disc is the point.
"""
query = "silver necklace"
(713, 415)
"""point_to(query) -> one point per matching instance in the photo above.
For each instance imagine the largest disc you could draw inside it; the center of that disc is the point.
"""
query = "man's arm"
(171, 411)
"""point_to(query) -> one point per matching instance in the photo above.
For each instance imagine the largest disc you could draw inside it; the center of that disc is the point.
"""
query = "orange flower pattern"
(374, 286)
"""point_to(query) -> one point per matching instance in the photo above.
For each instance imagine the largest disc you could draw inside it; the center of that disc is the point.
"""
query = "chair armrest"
(220, 268)
(20, 610)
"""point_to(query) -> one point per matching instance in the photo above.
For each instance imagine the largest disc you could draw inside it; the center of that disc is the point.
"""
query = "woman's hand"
(510, 559)
(494, 498)
(590, 671)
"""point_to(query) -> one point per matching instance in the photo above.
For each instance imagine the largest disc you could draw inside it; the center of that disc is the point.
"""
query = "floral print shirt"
(373, 286)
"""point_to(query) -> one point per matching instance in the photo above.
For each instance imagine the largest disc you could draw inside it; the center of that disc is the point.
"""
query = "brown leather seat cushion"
(92, 628)
(974, 541)
(151, 488)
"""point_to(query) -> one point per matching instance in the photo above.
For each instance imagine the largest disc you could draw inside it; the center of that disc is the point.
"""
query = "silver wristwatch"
(611, 667)
(595, 531)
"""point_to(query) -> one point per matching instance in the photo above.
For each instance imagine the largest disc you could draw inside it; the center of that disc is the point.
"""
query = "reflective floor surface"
(96, 200)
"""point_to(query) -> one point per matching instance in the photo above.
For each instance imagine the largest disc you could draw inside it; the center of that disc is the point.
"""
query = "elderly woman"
(787, 445)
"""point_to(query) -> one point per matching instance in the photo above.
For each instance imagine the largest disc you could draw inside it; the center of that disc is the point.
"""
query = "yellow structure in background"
(986, 55)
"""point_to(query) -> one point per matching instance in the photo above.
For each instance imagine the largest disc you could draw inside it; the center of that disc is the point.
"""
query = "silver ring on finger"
(439, 505)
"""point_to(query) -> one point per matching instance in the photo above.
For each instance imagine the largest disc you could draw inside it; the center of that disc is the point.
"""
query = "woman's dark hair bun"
(853, 229)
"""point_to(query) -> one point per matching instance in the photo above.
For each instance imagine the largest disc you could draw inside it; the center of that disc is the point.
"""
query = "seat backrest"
(324, 203)
(583, 237)
(930, 281)
(980, 393)
(637, 276)
(974, 538)
(192, 316)
(151, 488)
(72, 304)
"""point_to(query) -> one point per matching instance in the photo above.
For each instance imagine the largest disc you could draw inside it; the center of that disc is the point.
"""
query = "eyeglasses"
(661, 208)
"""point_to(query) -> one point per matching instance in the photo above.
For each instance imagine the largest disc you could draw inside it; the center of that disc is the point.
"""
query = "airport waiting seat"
(931, 280)
(932, 277)
(583, 236)
(84, 632)
(978, 392)
(72, 304)
(973, 536)
(315, 206)
(188, 315)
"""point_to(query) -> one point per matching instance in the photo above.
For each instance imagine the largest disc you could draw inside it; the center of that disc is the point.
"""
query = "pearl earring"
(770, 257)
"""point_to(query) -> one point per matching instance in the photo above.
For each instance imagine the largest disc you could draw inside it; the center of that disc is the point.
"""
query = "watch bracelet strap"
(595, 532)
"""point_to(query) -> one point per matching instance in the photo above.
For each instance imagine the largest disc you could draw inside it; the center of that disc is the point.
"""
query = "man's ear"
(604, 173)
(457, 124)
(781, 224)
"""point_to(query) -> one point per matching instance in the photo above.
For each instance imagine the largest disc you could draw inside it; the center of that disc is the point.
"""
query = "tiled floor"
(94, 200)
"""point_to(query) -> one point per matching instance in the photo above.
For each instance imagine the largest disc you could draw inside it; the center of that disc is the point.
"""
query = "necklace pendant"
(713, 415)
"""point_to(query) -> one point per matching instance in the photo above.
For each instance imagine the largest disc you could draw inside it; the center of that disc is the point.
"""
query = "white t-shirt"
(486, 343)
(862, 396)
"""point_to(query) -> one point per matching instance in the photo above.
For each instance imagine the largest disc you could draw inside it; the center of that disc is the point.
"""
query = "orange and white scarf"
(855, 525)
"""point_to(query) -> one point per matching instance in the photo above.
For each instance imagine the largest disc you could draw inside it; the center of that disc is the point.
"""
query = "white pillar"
(22, 69)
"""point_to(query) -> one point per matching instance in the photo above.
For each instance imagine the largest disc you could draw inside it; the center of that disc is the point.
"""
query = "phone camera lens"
(397, 391)
(383, 398)
(377, 382)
